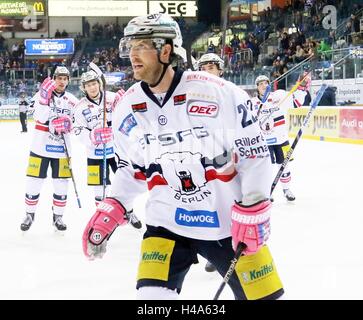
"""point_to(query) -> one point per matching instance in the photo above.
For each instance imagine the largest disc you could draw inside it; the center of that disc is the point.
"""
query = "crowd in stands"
(242, 54)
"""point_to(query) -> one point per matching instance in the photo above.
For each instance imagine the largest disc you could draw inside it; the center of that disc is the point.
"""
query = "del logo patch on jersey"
(203, 109)
(127, 124)
(180, 99)
(197, 218)
(140, 107)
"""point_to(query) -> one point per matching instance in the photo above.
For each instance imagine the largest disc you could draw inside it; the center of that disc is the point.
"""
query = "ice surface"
(316, 241)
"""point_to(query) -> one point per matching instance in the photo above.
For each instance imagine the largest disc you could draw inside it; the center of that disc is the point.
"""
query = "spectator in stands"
(299, 55)
(284, 42)
(86, 28)
(355, 23)
(2, 41)
(74, 68)
(347, 32)
(64, 34)
(57, 34)
(211, 48)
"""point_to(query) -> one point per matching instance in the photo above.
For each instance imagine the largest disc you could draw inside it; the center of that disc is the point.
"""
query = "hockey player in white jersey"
(211, 63)
(272, 119)
(54, 108)
(191, 137)
(89, 117)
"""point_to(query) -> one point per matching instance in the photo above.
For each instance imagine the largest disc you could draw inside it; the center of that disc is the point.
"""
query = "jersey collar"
(176, 79)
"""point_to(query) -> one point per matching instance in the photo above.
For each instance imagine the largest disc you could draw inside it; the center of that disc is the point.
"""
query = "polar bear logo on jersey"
(183, 171)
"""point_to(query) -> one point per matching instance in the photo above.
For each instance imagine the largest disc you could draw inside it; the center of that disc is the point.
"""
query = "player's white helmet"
(87, 77)
(61, 71)
(210, 58)
(157, 27)
(260, 79)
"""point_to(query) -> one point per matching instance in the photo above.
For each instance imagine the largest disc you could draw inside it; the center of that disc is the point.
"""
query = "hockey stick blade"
(99, 72)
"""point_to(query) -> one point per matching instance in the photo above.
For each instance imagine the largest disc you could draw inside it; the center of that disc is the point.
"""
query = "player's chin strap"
(165, 67)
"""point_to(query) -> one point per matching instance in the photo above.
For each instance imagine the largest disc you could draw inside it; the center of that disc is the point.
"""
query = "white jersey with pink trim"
(46, 143)
(88, 116)
(198, 149)
(272, 117)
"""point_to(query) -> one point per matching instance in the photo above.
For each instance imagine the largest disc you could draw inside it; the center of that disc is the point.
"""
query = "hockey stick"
(264, 98)
(132, 218)
(68, 160)
(241, 246)
(298, 136)
(98, 71)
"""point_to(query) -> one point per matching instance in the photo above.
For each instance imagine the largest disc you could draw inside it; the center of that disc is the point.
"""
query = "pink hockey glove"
(61, 125)
(101, 135)
(306, 82)
(251, 225)
(109, 215)
(46, 90)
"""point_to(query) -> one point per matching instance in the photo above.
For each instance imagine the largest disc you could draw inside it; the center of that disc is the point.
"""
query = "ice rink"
(316, 242)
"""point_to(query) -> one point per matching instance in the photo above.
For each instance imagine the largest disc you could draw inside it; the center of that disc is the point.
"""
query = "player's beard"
(150, 73)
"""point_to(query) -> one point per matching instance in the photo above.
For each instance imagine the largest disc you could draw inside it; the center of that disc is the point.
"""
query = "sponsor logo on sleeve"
(203, 109)
(99, 152)
(180, 99)
(127, 124)
(56, 149)
(140, 107)
(197, 218)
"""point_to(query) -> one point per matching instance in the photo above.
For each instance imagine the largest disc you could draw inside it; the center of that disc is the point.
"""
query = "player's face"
(144, 61)
(92, 88)
(211, 68)
(261, 87)
(61, 83)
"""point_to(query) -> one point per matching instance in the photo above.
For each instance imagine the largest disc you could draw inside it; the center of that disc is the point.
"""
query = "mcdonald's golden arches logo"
(38, 7)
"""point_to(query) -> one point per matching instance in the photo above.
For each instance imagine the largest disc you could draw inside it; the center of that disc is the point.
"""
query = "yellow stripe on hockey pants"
(34, 164)
(155, 258)
(93, 175)
(64, 171)
(257, 274)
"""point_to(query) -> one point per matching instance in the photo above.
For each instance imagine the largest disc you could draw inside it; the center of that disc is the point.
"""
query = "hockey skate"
(289, 195)
(29, 218)
(209, 267)
(58, 223)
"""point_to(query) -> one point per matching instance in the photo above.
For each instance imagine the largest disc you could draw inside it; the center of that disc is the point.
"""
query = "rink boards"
(336, 124)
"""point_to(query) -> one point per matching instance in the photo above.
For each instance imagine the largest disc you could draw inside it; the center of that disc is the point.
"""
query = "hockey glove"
(46, 90)
(305, 82)
(61, 125)
(251, 225)
(101, 135)
(109, 215)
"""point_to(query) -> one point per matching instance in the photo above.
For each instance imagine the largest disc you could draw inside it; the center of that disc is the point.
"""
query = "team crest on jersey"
(202, 108)
(127, 124)
(139, 107)
(183, 171)
(180, 99)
